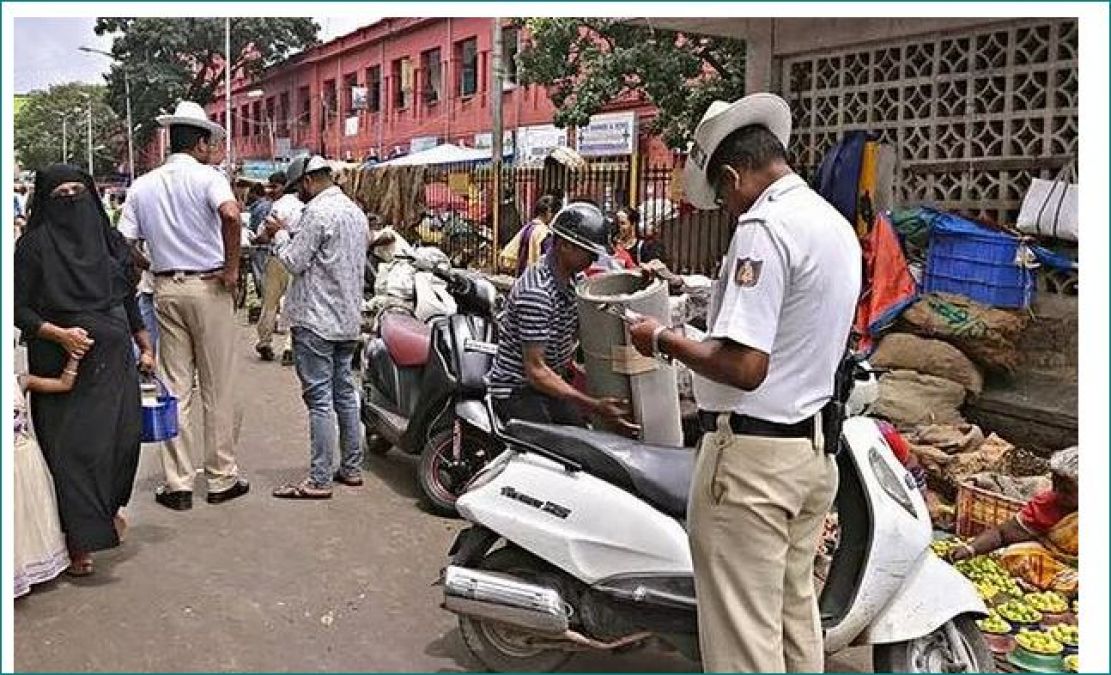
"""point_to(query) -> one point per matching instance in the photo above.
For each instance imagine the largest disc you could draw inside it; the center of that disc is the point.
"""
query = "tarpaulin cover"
(888, 286)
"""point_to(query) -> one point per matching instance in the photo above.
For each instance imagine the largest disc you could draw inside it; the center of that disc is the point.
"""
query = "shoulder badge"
(747, 273)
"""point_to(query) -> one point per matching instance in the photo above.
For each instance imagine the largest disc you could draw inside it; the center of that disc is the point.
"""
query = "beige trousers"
(274, 285)
(756, 511)
(196, 321)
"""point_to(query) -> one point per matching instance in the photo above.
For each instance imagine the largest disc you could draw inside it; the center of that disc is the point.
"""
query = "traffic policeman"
(778, 324)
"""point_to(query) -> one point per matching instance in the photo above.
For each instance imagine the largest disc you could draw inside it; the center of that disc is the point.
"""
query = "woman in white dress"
(40, 546)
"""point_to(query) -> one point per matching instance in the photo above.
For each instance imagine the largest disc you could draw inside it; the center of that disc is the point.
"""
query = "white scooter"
(596, 557)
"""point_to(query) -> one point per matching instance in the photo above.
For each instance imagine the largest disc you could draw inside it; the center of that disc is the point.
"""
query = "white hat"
(720, 120)
(192, 114)
(303, 166)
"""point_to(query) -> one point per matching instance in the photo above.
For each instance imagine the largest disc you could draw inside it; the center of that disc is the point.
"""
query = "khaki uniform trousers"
(274, 285)
(196, 322)
(756, 510)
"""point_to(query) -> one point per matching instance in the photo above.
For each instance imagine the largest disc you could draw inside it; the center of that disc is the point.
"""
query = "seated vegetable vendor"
(1041, 540)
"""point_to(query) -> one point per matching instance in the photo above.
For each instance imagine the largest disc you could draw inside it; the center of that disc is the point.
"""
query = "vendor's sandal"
(121, 527)
(80, 566)
(302, 490)
(352, 480)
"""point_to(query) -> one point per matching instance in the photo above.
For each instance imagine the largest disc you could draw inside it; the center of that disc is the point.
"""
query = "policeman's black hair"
(750, 148)
(546, 205)
(184, 137)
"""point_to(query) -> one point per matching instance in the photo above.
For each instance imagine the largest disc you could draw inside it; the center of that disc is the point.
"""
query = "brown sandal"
(80, 566)
(302, 490)
(350, 481)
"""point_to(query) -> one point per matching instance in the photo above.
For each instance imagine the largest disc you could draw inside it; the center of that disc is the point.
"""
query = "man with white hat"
(188, 216)
(777, 329)
(326, 261)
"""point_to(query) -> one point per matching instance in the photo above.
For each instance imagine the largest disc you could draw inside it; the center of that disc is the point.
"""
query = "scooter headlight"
(895, 488)
(490, 471)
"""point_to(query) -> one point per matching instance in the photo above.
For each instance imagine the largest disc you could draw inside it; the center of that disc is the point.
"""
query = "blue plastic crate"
(979, 263)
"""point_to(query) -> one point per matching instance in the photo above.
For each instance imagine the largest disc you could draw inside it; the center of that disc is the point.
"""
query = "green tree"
(173, 59)
(586, 63)
(38, 128)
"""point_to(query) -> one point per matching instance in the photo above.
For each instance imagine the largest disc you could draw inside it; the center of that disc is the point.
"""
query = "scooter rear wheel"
(499, 647)
(930, 653)
(442, 476)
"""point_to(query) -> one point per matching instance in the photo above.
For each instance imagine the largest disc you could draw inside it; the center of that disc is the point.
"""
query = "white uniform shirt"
(788, 287)
(175, 208)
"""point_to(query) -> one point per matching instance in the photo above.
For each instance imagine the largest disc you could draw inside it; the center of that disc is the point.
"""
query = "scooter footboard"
(933, 594)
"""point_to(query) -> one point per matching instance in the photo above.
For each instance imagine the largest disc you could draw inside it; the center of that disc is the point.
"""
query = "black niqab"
(83, 259)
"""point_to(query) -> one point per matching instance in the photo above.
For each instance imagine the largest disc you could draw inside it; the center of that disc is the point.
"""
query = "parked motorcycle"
(596, 556)
(420, 372)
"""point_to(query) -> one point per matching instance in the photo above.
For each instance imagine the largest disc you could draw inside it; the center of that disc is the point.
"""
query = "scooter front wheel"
(935, 653)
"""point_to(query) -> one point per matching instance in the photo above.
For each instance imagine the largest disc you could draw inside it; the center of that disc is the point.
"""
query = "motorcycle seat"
(406, 338)
(661, 475)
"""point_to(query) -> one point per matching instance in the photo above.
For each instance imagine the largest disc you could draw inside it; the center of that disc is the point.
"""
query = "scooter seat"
(406, 338)
(661, 475)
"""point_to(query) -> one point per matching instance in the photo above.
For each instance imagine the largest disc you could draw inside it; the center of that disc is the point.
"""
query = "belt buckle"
(179, 276)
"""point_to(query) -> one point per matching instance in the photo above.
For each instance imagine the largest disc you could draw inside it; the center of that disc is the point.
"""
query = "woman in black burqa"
(75, 294)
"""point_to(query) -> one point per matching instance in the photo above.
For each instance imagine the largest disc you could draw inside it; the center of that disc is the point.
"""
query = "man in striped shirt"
(540, 326)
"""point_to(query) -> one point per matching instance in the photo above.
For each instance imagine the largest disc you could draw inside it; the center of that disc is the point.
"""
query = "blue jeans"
(328, 389)
(150, 319)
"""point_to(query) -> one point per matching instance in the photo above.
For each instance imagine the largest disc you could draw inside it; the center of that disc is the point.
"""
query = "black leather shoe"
(265, 352)
(287, 358)
(240, 488)
(178, 500)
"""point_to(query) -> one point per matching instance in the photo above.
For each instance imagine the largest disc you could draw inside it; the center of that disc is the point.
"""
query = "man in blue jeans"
(326, 261)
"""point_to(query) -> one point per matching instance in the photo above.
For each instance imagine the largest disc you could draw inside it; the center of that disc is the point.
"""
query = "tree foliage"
(38, 128)
(173, 59)
(586, 63)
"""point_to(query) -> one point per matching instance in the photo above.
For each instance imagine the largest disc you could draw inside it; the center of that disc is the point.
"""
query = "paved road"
(260, 584)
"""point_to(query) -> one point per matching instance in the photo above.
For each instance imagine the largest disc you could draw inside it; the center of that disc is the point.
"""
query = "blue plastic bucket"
(160, 419)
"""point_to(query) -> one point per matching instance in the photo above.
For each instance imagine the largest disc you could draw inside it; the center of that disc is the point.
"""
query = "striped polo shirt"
(540, 310)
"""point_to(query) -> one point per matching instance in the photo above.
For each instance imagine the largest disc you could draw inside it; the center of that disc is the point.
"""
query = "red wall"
(452, 119)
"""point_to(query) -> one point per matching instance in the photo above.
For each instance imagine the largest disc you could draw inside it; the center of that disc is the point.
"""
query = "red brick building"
(427, 81)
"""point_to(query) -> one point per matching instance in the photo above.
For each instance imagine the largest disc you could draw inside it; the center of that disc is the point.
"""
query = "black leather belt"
(189, 273)
(752, 426)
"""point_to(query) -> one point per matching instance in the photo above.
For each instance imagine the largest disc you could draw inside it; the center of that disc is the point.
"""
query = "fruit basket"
(1071, 663)
(1037, 651)
(1068, 635)
(1020, 615)
(997, 633)
(979, 509)
(1053, 606)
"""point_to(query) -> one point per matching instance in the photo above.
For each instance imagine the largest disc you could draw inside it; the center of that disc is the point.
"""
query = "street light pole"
(127, 102)
(65, 150)
(227, 97)
(495, 106)
(89, 136)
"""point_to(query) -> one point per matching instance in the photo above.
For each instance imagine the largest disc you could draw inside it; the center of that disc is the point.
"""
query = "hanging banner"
(536, 142)
(485, 141)
(423, 143)
(358, 98)
(351, 126)
(283, 147)
(608, 135)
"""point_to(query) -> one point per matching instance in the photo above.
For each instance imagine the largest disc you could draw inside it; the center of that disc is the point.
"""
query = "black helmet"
(584, 225)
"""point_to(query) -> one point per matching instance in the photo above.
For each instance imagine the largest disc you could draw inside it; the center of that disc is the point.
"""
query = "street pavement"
(260, 584)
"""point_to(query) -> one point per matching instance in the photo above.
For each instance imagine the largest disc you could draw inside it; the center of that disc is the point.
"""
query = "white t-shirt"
(175, 208)
(288, 210)
(789, 287)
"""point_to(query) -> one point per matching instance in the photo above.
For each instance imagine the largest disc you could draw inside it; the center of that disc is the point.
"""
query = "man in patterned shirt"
(326, 261)
(540, 327)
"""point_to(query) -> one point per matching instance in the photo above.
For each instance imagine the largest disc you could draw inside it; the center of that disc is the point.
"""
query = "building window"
(510, 45)
(403, 83)
(245, 122)
(350, 81)
(374, 89)
(433, 75)
(283, 113)
(304, 95)
(269, 115)
(466, 53)
(330, 99)
(256, 118)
